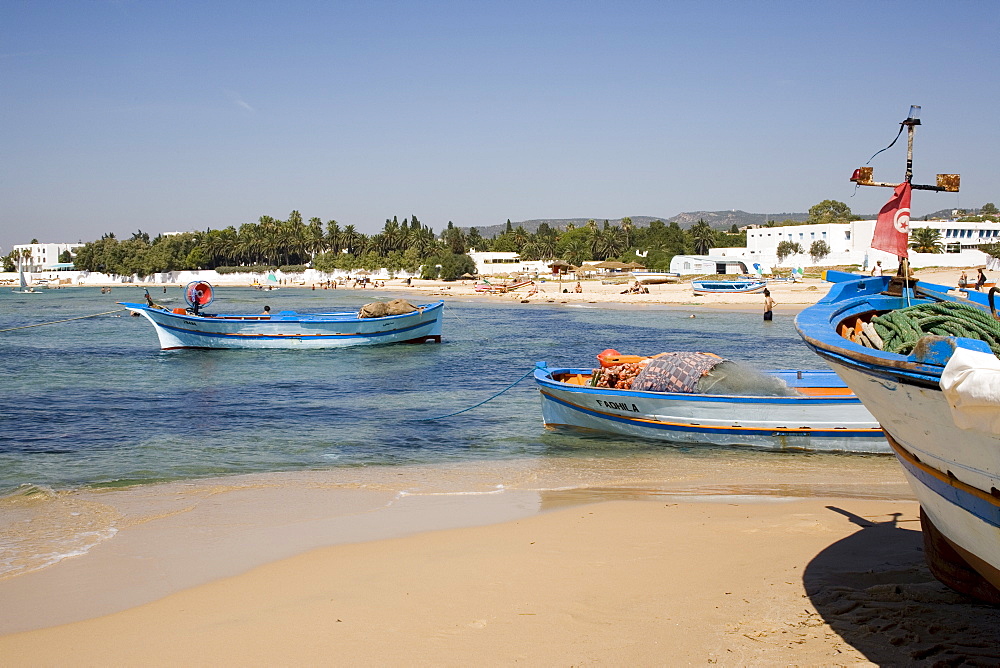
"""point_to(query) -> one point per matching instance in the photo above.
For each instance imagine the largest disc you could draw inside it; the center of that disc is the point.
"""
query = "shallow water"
(94, 403)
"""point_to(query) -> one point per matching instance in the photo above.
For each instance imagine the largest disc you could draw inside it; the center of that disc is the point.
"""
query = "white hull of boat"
(727, 287)
(776, 423)
(955, 473)
(292, 330)
(656, 277)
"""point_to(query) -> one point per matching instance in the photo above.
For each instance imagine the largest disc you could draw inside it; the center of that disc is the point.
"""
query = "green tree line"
(406, 245)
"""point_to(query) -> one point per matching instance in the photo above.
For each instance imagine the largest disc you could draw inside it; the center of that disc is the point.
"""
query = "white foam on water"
(500, 489)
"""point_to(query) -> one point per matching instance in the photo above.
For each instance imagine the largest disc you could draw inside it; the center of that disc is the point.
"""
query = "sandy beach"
(790, 296)
(810, 565)
(619, 582)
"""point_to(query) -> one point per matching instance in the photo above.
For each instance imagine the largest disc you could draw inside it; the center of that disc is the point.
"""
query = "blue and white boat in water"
(924, 360)
(374, 324)
(702, 287)
(712, 402)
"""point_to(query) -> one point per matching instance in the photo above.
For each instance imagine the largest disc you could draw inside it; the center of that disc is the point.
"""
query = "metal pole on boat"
(911, 123)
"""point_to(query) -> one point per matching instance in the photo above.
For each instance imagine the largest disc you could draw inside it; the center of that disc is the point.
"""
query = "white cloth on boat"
(971, 384)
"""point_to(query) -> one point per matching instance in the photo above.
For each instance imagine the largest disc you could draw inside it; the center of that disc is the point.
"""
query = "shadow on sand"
(874, 589)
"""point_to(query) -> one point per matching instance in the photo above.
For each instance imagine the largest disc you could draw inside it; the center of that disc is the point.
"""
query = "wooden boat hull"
(290, 329)
(954, 472)
(727, 287)
(651, 277)
(832, 423)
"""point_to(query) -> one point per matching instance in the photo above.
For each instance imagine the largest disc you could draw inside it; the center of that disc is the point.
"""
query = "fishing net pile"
(382, 309)
(691, 373)
(898, 331)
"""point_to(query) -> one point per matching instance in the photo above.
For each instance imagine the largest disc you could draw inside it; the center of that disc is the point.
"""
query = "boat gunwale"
(656, 423)
(821, 320)
(544, 375)
(280, 318)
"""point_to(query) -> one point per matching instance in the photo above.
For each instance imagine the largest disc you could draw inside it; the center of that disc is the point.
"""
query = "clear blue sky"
(173, 115)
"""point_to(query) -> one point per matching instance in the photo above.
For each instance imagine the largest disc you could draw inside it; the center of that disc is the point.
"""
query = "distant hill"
(719, 220)
(949, 213)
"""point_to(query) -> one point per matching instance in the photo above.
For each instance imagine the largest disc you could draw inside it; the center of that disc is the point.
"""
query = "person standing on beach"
(981, 280)
(877, 269)
(768, 305)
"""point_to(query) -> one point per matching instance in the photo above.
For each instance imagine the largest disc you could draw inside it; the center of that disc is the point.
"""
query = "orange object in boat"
(612, 357)
(180, 311)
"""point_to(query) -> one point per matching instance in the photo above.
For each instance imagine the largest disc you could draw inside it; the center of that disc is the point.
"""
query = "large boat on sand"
(924, 360)
(936, 393)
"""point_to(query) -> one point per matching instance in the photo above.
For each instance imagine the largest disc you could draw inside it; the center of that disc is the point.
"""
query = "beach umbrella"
(466, 275)
(612, 264)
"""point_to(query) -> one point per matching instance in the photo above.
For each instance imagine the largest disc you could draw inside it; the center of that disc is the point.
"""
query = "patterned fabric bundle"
(675, 372)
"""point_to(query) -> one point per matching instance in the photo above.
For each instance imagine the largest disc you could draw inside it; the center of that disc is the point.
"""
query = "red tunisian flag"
(892, 230)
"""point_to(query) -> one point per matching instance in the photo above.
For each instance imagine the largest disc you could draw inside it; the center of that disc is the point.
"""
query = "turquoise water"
(94, 402)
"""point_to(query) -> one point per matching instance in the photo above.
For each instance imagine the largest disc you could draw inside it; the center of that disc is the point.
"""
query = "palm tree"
(532, 251)
(703, 236)
(926, 240)
(315, 239)
(626, 228)
(613, 242)
(576, 251)
(333, 236)
(350, 239)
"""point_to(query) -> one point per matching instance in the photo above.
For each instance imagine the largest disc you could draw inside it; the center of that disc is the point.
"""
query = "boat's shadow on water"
(874, 589)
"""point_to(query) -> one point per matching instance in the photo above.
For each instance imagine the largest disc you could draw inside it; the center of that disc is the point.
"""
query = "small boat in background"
(373, 324)
(24, 289)
(502, 288)
(734, 406)
(748, 286)
(650, 277)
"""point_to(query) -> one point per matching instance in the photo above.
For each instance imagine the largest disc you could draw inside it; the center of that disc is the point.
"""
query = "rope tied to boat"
(56, 322)
(900, 330)
(484, 401)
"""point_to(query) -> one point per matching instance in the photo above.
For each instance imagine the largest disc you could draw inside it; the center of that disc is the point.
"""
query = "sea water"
(92, 404)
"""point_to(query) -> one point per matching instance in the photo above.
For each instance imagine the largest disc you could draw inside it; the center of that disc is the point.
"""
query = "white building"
(850, 243)
(493, 264)
(40, 257)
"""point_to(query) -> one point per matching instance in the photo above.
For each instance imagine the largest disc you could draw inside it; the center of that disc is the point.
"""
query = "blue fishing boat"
(747, 286)
(924, 360)
(373, 324)
(778, 410)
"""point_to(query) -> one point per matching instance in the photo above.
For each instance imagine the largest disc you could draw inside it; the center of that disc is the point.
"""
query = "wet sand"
(657, 581)
(771, 560)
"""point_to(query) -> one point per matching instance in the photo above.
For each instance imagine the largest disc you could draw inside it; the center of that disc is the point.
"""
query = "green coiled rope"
(901, 329)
